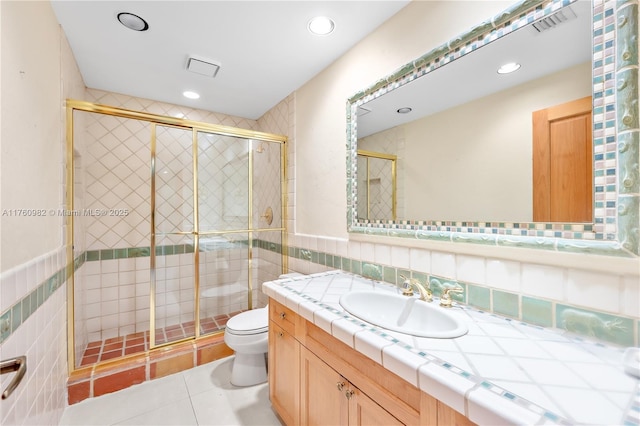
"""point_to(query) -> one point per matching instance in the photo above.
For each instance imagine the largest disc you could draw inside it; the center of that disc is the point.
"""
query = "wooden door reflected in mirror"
(563, 163)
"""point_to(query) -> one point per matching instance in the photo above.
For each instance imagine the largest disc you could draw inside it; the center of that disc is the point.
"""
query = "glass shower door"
(268, 224)
(224, 228)
(173, 285)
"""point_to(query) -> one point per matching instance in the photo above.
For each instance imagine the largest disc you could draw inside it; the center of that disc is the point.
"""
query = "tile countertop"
(502, 371)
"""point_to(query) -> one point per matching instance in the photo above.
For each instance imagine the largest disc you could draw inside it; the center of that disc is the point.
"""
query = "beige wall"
(321, 103)
(37, 72)
(32, 115)
(601, 283)
(482, 170)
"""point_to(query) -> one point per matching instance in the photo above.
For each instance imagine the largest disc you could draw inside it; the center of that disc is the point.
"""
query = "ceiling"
(475, 75)
(264, 47)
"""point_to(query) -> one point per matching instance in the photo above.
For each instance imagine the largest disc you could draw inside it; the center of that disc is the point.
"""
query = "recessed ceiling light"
(404, 110)
(191, 95)
(508, 68)
(133, 22)
(321, 25)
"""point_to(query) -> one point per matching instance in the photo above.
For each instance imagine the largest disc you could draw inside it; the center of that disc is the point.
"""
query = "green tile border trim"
(616, 116)
(617, 329)
(19, 312)
(611, 328)
(13, 317)
(171, 249)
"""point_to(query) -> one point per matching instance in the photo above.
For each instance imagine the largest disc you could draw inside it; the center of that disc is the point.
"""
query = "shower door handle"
(10, 365)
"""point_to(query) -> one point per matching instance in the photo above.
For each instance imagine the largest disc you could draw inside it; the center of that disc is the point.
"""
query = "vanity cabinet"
(315, 378)
(322, 397)
(328, 398)
(284, 364)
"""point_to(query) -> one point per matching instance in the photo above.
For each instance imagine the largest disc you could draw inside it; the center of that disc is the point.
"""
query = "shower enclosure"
(377, 193)
(174, 224)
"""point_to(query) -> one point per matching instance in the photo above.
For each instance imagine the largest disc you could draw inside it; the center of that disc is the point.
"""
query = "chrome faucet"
(423, 289)
(445, 299)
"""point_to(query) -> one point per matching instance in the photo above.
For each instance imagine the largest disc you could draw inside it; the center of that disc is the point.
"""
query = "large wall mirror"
(545, 156)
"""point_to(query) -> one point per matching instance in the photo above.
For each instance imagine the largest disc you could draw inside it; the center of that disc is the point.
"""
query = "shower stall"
(377, 186)
(174, 224)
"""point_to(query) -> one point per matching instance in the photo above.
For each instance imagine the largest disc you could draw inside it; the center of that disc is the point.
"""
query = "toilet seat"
(255, 321)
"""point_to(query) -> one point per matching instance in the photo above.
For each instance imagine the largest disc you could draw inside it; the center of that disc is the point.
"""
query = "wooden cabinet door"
(284, 374)
(365, 411)
(322, 399)
(563, 163)
(450, 417)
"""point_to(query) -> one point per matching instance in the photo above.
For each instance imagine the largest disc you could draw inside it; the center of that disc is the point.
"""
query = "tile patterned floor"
(139, 342)
(199, 396)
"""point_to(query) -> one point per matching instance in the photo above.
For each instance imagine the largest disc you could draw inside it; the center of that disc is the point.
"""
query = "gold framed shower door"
(196, 233)
(394, 178)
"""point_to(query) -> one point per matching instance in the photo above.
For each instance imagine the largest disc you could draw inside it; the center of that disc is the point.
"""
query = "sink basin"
(407, 315)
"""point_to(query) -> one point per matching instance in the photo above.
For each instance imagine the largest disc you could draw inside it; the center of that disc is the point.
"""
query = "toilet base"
(248, 369)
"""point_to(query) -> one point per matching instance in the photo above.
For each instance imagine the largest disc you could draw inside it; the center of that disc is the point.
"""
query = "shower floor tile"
(130, 344)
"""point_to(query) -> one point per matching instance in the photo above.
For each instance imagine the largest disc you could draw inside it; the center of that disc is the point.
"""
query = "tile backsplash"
(580, 302)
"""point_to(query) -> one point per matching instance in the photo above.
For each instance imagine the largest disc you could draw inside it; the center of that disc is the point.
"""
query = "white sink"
(407, 315)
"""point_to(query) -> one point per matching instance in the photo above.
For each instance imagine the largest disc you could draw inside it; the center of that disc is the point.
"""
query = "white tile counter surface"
(501, 372)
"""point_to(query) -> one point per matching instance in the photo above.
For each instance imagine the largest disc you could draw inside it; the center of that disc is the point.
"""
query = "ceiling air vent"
(563, 15)
(203, 66)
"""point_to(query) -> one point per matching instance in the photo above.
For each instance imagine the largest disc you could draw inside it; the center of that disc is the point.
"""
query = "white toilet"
(248, 335)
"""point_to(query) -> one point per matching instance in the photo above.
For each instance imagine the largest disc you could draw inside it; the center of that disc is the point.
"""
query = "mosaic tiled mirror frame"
(615, 230)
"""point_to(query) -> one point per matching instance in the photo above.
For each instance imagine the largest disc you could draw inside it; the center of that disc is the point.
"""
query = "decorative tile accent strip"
(633, 413)
(595, 324)
(546, 313)
(628, 122)
(536, 311)
(167, 250)
(17, 314)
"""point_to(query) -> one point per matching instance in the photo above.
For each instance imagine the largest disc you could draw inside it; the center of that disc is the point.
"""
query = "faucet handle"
(407, 288)
(445, 299)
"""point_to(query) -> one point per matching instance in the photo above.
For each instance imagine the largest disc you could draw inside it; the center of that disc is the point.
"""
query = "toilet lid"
(249, 322)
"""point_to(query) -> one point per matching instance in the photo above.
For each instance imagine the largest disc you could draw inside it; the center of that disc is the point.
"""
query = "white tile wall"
(382, 254)
(470, 268)
(608, 292)
(594, 290)
(400, 257)
(420, 260)
(41, 397)
(503, 274)
(443, 264)
(543, 281)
